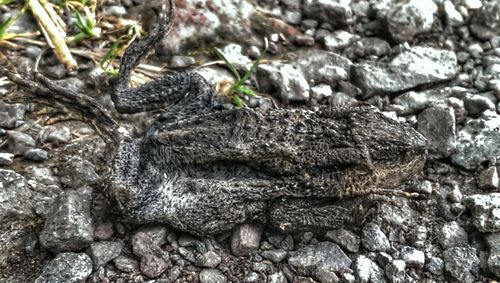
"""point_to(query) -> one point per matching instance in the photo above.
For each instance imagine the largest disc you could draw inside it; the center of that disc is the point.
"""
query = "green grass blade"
(245, 90)
(230, 65)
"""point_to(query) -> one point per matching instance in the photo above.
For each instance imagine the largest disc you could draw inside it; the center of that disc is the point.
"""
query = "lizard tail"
(139, 48)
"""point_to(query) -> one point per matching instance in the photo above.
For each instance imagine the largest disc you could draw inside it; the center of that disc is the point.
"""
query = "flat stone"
(286, 81)
(212, 276)
(126, 264)
(437, 124)
(338, 40)
(11, 114)
(57, 134)
(66, 267)
(321, 92)
(374, 239)
(477, 142)
(103, 252)
(488, 179)
(36, 154)
(324, 256)
(345, 239)
(209, 259)
(246, 238)
(367, 271)
(485, 211)
(6, 158)
(493, 241)
(452, 235)
(68, 226)
(415, 66)
(325, 67)
(413, 102)
(275, 256)
(413, 257)
(18, 142)
(460, 262)
(181, 61)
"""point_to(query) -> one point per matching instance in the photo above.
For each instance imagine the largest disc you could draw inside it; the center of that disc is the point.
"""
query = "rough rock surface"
(66, 267)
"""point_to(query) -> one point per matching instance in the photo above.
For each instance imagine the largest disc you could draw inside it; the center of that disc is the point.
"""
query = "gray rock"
(80, 172)
(287, 81)
(345, 239)
(36, 154)
(374, 46)
(246, 238)
(16, 199)
(493, 241)
(181, 61)
(413, 257)
(18, 241)
(486, 20)
(252, 277)
(321, 92)
(187, 241)
(66, 267)
(410, 18)
(477, 142)
(57, 71)
(126, 264)
(488, 179)
(340, 100)
(104, 231)
(234, 54)
(374, 239)
(338, 40)
(68, 226)
(452, 235)
(395, 271)
(418, 236)
(277, 278)
(212, 276)
(325, 67)
(153, 266)
(437, 124)
(414, 102)
(116, 10)
(335, 12)
(18, 143)
(103, 252)
(275, 256)
(453, 17)
(209, 259)
(11, 114)
(6, 158)
(325, 275)
(459, 262)
(485, 211)
(383, 259)
(57, 134)
(477, 104)
(367, 271)
(435, 265)
(413, 67)
(319, 258)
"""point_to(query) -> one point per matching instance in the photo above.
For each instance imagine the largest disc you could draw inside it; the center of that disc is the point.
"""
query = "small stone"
(287, 80)
(181, 61)
(375, 46)
(126, 264)
(340, 99)
(383, 259)
(68, 226)
(410, 18)
(473, 4)
(476, 104)
(275, 256)
(209, 259)
(459, 262)
(374, 239)
(57, 134)
(322, 257)
(187, 241)
(435, 266)
(366, 271)
(452, 235)
(395, 271)
(153, 266)
(57, 71)
(246, 238)
(493, 241)
(81, 172)
(339, 40)
(418, 236)
(336, 12)
(6, 158)
(104, 231)
(277, 278)
(455, 196)
(251, 277)
(11, 114)
(212, 276)
(437, 124)
(36, 154)
(18, 143)
(103, 252)
(488, 179)
(345, 239)
(453, 17)
(321, 92)
(324, 67)
(66, 267)
(116, 10)
(485, 211)
(234, 54)
(413, 257)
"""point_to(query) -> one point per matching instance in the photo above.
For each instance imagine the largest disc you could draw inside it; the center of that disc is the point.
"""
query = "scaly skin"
(204, 169)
